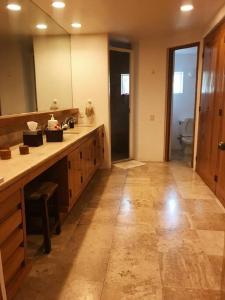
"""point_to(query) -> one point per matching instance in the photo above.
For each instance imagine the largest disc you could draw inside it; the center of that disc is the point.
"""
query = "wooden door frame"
(170, 70)
(131, 100)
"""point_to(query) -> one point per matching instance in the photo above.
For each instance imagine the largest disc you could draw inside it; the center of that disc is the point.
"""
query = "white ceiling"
(132, 18)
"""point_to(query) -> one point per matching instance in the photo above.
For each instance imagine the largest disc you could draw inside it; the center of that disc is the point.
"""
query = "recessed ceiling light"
(186, 7)
(41, 26)
(58, 4)
(76, 25)
(13, 6)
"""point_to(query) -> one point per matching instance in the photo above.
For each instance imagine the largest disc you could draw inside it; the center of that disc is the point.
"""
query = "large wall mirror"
(35, 66)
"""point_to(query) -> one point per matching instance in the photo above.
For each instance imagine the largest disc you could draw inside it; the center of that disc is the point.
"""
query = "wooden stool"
(41, 201)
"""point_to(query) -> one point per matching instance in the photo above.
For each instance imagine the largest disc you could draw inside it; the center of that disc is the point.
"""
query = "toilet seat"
(187, 140)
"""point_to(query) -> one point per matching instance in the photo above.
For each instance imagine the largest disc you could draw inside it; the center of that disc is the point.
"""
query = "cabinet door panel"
(83, 162)
(74, 176)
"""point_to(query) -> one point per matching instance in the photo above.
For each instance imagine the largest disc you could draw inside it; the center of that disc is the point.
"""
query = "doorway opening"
(181, 103)
(120, 104)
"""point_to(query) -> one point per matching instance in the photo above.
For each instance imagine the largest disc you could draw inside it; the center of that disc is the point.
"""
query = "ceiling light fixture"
(76, 25)
(186, 7)
(13, 6)
(41, 26)
(58, 4)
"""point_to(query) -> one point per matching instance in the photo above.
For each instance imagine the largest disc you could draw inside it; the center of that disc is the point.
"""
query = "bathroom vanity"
(71, 163)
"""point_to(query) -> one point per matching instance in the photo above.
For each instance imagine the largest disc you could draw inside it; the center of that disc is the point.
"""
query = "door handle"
(222, 146)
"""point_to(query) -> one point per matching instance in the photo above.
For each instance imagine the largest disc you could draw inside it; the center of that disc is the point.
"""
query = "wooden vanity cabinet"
(72, 170)
(13, 238)
(83, 163)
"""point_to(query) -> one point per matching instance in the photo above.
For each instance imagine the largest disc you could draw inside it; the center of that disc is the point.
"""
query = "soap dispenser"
(52, 123)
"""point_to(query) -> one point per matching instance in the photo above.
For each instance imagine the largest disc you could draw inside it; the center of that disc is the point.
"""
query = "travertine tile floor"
(152, 232)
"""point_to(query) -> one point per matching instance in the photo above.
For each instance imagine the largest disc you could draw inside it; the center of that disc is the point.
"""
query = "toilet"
(186, 135)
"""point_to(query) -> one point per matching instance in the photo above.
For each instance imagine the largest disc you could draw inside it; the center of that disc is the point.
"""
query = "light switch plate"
(152, 118)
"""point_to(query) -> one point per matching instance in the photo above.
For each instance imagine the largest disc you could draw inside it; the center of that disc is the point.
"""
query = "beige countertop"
(19, 165)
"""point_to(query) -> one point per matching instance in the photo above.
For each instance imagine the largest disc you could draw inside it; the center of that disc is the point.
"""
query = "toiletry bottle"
(52, 123)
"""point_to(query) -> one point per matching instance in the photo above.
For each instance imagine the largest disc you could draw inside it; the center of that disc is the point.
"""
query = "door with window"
(119, 104)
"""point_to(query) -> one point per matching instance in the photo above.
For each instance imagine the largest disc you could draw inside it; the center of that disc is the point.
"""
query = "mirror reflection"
(35, 67)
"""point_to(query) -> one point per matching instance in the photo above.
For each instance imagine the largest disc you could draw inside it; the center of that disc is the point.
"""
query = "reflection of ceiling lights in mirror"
(41, 26)
(13, 6)
(76, 25)
(186, 7)
(58, 4)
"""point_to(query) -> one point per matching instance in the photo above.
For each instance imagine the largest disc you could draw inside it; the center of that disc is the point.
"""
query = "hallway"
(151, 232)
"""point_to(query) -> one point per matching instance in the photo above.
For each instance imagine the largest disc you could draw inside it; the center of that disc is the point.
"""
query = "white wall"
(90, 80)
(183, 105)
(150, 93)
(53, 71)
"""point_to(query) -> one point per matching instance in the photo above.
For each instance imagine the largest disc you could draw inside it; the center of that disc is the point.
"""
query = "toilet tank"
(187, 126)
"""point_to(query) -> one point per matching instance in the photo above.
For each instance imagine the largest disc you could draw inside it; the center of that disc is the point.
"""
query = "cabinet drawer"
(11, 244)
(13, 264)
(10, 204)
(9, 225)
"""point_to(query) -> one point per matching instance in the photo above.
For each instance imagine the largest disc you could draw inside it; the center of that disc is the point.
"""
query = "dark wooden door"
(209, 125)
(220, 186)
(119, 105)
(211, 143)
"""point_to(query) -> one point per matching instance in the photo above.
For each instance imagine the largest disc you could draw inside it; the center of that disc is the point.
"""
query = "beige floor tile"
(208, 221)
(104, 202)
(190, 190)
(172, 219)
(165, 193)
(187, 294)
(131, 292)
(81, 290)
(197, 271)
(212, 242)
(179, 240)
(199, 206)
(89, 264)
(169, 204)
(137, 181)
(134, 236)
(137, 191)
(137, 216)
(133, 266)
(128, 202)
(94, 235)
(99, 215)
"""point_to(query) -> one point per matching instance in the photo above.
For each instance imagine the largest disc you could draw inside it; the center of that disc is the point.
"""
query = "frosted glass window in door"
(125, 84)
(178, 83)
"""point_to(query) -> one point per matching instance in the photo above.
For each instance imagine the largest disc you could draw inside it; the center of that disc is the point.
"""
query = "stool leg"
(57, 217)
(46, 226)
